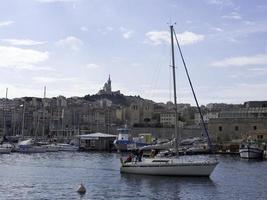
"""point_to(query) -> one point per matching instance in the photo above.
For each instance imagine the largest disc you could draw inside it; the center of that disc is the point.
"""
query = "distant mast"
(4, 114)
(43, 128)
(174, 92)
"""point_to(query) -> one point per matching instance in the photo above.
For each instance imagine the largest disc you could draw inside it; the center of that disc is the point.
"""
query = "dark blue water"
(57, 176)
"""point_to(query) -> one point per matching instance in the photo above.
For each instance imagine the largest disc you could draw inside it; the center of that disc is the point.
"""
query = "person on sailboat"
(129, 158)
(140, 155)
(153, 153)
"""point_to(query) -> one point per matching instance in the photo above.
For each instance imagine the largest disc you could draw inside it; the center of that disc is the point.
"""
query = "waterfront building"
(232, 124)
(256, 135)
(133, 114)
(167, 119)
(206, 117)
(139, 112)
(97, 141)
(147, 112)
(255, 104)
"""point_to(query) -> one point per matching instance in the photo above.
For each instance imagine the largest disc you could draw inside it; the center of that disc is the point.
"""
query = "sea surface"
(58, 175)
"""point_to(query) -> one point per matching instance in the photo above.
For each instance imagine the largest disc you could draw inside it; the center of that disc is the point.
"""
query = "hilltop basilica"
(107, 89)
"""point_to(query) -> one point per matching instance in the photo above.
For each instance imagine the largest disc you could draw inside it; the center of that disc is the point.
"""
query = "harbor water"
(58, 175)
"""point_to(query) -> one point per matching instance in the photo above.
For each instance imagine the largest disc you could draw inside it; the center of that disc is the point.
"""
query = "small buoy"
(81, 189)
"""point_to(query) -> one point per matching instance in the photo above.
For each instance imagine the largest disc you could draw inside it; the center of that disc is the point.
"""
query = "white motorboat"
(67, 147)
(250, 151)
(28, 146)
(180, 166)
(176, 165)
(5, 148)
(125, 142)
(51, 147)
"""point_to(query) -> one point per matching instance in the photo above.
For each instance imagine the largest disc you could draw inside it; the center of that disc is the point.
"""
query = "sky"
(71, 47)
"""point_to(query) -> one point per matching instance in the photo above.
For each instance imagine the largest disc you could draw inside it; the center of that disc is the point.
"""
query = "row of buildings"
(62, 117)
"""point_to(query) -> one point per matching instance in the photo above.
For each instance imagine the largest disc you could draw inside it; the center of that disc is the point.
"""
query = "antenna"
(44, 91)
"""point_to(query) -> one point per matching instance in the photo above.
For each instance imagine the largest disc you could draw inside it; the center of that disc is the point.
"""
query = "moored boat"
(126, 143)
(51, 147)
(250, 151)
(28, 146)
(5, 148)
(67, 147)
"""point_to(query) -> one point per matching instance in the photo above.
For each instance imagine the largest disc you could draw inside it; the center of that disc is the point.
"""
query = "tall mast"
(4, 113)
(174, 92)
(44, 113)
(23, 120)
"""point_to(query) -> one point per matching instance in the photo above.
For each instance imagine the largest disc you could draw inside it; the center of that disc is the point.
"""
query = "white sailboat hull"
(51, 148)
(170, 168)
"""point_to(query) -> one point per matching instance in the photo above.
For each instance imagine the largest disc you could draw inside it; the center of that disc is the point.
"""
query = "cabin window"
(220, 128)
(255, 127)
(92, 143)
(236, 128)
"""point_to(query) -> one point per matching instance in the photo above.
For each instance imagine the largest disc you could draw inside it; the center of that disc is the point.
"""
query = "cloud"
(253, 72)
(216, 29)
(92, 66)
(233, 15)
(38, 68)
(71, 42)
(163, 37)
(83, 28)
(242, 61)
(20, 42)
(46, 79)
(220, 2)
(239, 92)
(6, 23)
(158, 37)
(14, 57)
(106, 30)
(189, 38)
(126, 33)
(109, 28)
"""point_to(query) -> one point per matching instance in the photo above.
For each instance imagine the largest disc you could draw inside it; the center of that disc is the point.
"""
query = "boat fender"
(81, 189)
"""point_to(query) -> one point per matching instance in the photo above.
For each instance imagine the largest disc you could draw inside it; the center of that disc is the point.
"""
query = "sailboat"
(176, 165)
(5, 148)
(30, 145)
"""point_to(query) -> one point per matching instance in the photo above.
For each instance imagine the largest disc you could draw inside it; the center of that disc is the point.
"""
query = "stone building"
(231, 125)
(139, 112)
(133, 114)
(206, 117)
(167, 119)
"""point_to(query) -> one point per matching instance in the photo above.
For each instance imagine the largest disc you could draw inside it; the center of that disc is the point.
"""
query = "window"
(260, 136)
(236, 128)
(254, 127)
(92, 143)
(220, 128)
